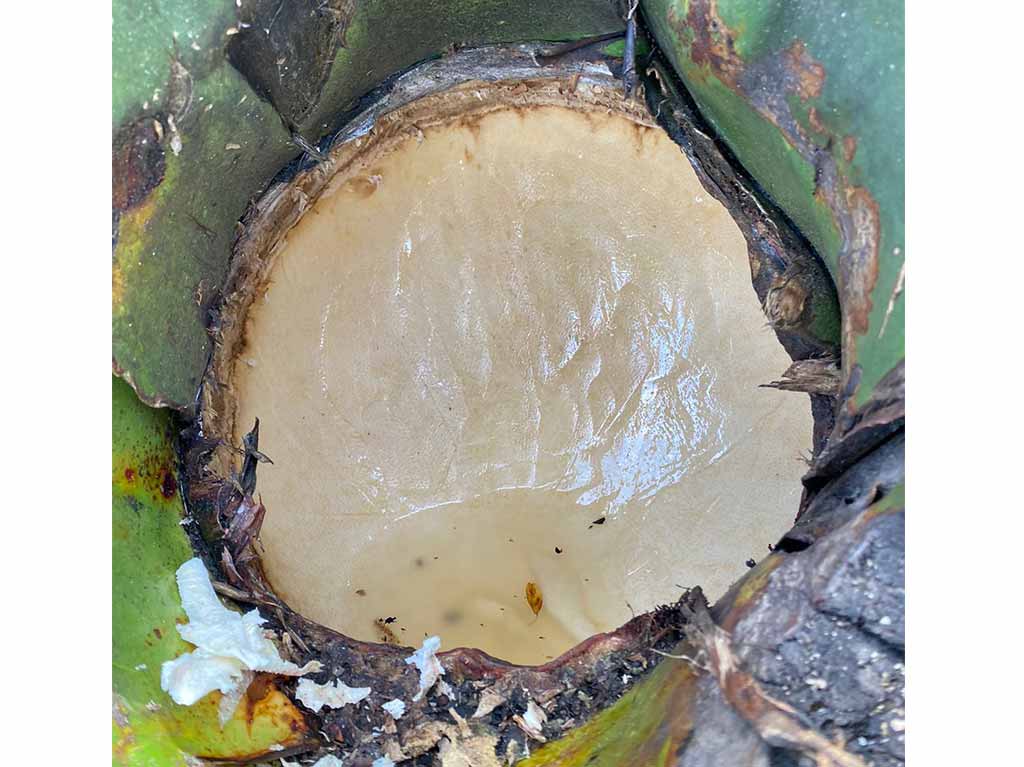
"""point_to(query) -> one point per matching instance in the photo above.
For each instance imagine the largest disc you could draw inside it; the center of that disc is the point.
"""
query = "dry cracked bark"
(776, 722)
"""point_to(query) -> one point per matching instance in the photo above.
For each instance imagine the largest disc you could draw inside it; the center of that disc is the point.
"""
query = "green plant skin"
(646, 727)
(172, 250)
(860, 49)
(148, 34)
(149, 544)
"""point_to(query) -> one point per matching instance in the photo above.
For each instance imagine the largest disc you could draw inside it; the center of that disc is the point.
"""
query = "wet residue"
(459, 401)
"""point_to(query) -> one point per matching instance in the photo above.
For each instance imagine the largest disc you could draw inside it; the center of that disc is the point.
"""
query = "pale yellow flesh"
(483, 343)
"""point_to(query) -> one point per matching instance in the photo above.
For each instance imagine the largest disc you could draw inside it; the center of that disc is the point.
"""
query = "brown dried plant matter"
(777, 723)
(818, 375)
(534, 597)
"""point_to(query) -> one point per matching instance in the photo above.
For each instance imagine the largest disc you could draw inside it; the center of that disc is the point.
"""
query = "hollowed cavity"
(515, 348)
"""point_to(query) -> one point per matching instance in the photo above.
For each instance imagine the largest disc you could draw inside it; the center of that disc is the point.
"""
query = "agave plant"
(486, 320)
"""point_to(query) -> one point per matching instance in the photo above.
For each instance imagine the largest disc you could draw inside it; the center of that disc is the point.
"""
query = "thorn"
(892, 298)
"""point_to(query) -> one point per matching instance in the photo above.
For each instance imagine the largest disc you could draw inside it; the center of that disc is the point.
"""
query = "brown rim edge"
(218, 484)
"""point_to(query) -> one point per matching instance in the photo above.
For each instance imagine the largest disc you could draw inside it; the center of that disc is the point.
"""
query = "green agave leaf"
(206, 97)
(149, 544)
(171, 247)
(148, 36)
(809, 96)
(646, 727)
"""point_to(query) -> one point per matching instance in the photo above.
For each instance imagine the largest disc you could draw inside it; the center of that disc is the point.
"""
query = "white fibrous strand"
(316, 696)
(426, 660)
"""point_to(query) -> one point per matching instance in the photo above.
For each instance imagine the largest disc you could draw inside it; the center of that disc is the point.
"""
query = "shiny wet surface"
(474, 349)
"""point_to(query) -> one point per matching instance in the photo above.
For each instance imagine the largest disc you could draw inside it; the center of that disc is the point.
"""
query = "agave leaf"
(211, 100)
(808, 94)
(646, 727)
(148, 545)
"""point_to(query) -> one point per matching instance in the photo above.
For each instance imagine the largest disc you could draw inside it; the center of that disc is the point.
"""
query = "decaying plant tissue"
(532, 721)
(425, 659)
(229, 646)
(315, 696)
(329, 760)
(394, 707)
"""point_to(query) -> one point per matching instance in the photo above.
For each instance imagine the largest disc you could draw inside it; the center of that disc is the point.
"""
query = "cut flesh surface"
(475, 346)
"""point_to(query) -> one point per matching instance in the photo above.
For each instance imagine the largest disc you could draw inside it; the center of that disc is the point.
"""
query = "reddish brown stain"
(138, 163)
(364, 186)
(640, 133)
(148, 474)
(714, 44)
(815, 121)
(168, 485)
(793, 71)
(810, 74)
(158, 633)
(858, 258)
(470, 123)
(849, 147)
(258, 690)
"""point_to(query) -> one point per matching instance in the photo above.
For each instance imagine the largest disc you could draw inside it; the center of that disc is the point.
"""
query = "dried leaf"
(489, 700)
(532, 721)
(778, 723)
(245, 525)
(534, 598)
